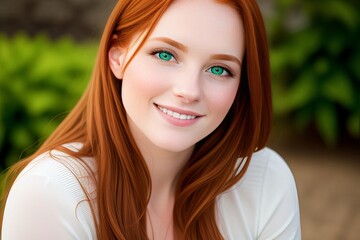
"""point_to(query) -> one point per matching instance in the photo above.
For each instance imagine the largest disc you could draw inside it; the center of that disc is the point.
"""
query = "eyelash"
(173, 54)
(160, 50)
(225, 68)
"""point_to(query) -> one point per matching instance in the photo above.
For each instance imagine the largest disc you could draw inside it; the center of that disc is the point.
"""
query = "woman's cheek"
(221, 98)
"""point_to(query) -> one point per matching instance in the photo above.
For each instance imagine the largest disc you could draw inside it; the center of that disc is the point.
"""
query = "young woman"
(168, 141)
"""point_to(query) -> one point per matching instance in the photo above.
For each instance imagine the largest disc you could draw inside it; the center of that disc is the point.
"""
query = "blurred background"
(48, 47)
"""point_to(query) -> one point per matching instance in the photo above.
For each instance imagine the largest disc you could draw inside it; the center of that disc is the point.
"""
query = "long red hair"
(123, 182)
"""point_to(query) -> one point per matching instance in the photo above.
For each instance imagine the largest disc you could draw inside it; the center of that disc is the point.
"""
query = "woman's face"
(181, 84)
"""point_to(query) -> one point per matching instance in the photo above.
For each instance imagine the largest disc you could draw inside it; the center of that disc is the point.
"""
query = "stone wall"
(82, 19)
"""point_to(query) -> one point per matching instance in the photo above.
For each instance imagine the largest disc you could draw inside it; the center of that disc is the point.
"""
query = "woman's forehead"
(202, 24)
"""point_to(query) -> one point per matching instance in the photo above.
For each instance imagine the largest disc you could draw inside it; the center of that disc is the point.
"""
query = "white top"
(47, 202)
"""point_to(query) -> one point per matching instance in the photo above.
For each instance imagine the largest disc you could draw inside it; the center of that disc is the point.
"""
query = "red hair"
(122, 178)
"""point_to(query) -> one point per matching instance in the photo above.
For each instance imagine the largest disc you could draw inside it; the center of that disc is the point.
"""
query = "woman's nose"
(187, 86)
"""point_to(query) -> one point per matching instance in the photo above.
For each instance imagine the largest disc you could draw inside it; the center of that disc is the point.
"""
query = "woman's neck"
(164, 168)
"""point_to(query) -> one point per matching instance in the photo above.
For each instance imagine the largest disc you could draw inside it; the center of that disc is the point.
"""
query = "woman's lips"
(178, 113)
(178, 117)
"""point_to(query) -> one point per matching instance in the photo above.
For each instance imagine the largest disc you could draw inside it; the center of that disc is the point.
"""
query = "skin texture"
(193, 69)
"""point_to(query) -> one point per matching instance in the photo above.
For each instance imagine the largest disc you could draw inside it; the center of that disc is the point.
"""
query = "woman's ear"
(116, 57)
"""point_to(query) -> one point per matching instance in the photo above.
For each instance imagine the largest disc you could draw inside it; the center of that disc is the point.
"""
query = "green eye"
(165, 56)
(217, 70)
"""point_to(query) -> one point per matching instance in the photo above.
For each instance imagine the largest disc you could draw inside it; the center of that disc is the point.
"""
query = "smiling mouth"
(176, 114)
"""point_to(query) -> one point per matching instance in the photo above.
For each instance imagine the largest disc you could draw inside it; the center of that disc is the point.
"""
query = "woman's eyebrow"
(226, 57)
(171, 42)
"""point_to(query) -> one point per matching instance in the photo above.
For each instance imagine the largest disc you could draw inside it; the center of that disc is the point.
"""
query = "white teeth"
(176, 114)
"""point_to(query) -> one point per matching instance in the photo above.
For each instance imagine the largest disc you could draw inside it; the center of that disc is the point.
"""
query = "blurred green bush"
(40, 80)
(315, 57)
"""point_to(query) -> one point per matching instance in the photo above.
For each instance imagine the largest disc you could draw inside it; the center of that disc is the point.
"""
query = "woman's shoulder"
(267, 171)
(58, 165)
(271, 165)
(264, 201)
(48, 199)
(72, 175)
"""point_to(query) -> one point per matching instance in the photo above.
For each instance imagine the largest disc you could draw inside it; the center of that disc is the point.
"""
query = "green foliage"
(40, 80)
(315, 59)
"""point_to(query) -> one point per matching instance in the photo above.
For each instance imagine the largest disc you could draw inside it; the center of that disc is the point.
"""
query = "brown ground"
(328, 186)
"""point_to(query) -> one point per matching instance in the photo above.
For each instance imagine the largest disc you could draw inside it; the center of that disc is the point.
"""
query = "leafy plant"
(40, 80)
(315, 59)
